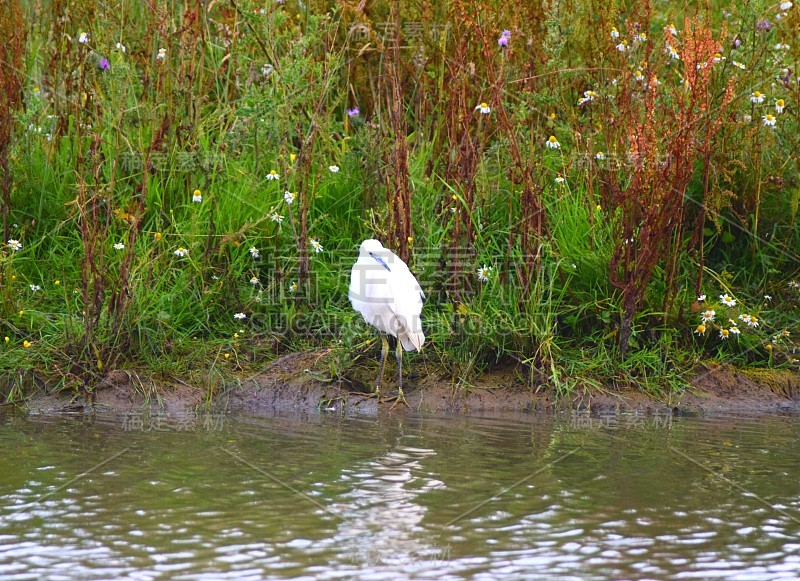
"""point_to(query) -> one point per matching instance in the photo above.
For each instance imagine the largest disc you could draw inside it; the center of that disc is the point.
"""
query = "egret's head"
(370, 246)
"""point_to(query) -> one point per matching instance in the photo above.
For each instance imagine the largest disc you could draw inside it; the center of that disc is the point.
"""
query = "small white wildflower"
(293, 287)
(254, 281)
(35, 287)
(289, 197)
(273, 176)
(83, 38)
(747, 118)
(767, 297)
(757, 97)
(239, 316)
(181, 252)
(121, 47)
(333, 168)
(553, 143)
(599, 156)
(119, 246)
(672, 30)
(779, 105)
(614, 33)
(738, 65)
(701, 298)
(734, 330)
(587, 96)
(560, 180)
(276, 217)
(162, 54)
(254, 252)
(483, 108)
(14, 244)
(673, 54)
(769, 120)
(623, 46)
(639, 75)
(266, 69)
(724, 333)
(197, 196)
(727, 300)
(316, 245)
(641, 37)
(785, 6)
(707, 316)
(484, 272)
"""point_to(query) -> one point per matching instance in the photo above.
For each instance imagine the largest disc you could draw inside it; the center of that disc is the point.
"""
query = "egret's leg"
(400, 396)
(384, 353)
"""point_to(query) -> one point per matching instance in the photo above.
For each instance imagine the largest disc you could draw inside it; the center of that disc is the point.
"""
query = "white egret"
(389, 298)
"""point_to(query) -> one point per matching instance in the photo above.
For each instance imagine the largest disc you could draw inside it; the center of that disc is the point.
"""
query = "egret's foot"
(401, 398)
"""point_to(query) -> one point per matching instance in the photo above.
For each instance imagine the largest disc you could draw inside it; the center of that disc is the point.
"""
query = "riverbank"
(293, 383)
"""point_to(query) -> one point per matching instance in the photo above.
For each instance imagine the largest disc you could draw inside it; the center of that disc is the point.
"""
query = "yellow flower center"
(197, 192)
(484, 105)
(756, 94)
(779, 102)
(553, 139)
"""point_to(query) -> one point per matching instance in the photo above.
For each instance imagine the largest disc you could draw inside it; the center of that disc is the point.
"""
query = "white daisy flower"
(727, 300)
(724, 333)
(622, 46)
(769, 120)
(587, 96)
(737, 64)
(483, 108)
(14, 244)
(276, 217)
(757, 97)
(484, 272)
(254, 252)
(197, 196)
(316, 245)
(600, 156)
(707, 316)
(119, 246)
(293, 287)
(672, 30)
(289, 197)
(181, 252)
(734, 330)
(273, 176)
(779, 105)
(614, 33)
(786, 5)
(333, 168)
(560, 180)
(121, 47)
(239, 316)
(162, 54)
(553, 143)
(254, 281)
(83, 38)
(701, 298)
(35, 287)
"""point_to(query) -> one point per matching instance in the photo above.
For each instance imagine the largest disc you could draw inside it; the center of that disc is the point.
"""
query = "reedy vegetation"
(664, 179)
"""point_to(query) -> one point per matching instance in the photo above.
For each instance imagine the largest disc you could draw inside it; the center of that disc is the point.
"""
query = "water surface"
(326, 497)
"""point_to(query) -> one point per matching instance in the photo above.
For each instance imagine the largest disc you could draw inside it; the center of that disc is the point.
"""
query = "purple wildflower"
(353, 112)
(737, 43)
(764, 25)
(503, 41)
(103, 65)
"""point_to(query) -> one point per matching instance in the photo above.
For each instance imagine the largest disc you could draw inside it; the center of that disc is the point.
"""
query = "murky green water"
(323, 497)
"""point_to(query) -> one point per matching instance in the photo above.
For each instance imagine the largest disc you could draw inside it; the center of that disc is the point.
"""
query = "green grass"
(104, 157)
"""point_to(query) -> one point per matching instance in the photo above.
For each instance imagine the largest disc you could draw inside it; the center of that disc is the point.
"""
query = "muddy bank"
(295, 383)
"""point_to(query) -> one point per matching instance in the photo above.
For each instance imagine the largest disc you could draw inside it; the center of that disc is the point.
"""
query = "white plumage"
(387, 295)
(389, 298)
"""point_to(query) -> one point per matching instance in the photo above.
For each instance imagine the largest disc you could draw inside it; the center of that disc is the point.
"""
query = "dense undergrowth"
(595, 193)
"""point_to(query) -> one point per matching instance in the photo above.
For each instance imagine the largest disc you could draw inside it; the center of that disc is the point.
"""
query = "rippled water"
(325, 497)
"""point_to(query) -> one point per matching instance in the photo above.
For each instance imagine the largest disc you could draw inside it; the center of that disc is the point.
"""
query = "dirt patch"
(296, 383)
